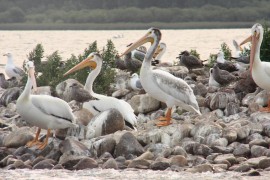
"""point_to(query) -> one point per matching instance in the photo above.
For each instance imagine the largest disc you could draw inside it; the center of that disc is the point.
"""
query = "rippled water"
(205, 41)
(101, 174)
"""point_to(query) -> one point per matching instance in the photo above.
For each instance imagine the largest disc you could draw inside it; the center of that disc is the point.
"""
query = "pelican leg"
(266, 109)
(44, 144)
(34, 141)
(167, 119)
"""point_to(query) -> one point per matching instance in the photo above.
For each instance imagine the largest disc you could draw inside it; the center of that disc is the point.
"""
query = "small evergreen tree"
(265, 47)
(194, 53)
(226, 50)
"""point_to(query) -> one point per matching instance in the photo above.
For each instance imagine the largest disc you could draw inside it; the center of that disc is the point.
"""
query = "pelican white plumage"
(162, 85)
(260, 71)
(135, 82)
(43, 111)
(11, 70)
(102, 102)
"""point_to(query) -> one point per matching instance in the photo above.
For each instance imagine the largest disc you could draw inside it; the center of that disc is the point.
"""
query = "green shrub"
(107, 74)
(265, 47)
(226, 50)
(51, 71)
(194, 53)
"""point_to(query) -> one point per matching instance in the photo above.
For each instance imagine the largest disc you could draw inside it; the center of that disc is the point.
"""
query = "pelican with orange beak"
(102, 102)
(162, 85)
(260, 71)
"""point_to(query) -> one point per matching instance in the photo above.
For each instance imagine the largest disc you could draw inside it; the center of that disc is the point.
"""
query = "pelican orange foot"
(167, 119)
(34, 141)
(44, 144)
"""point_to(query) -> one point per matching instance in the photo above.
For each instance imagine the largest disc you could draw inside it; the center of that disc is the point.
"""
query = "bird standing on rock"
(260, 71)
(190, 61)
(135, 82)
(43, 111)
(11, 70)
(162, 85)
(222, 77)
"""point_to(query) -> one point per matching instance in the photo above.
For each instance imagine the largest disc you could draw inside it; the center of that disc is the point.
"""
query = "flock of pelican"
(47, 112)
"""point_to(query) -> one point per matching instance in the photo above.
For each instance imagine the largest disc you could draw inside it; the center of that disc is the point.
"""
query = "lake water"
(205, 41)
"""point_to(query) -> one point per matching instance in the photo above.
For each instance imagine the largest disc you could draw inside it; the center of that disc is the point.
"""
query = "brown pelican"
(259, 70)
(162, 85)
(12, 70)
(43, 111)
(223, 77)
(190, 61)
(102, 102)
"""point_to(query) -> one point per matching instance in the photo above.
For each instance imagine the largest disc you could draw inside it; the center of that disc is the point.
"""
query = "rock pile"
(231, 135)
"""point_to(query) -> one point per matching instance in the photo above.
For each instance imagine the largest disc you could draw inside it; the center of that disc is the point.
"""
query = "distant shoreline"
(125, 26)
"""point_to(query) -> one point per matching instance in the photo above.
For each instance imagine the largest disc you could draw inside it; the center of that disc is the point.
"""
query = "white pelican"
(135, 82)
(43, 111)
(162, 85)
(102, 102)
(12, 70)
(260, 71)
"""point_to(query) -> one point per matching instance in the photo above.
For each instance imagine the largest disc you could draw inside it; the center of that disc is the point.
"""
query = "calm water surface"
(205, 41)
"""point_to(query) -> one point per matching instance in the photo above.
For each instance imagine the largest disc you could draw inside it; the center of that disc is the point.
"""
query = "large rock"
(106, 122)
(18, 138)
(204, 129)
(72, 89)
(10, 95)
(143, 103)
(86, 163)
(83, 116)
(221, 99)
(127, 145)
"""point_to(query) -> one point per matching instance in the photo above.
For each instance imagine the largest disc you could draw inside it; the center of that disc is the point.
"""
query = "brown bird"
(223, 77)
(190, 61)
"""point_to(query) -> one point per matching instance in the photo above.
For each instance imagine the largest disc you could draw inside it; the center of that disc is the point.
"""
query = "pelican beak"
(138, 43)
(31, 73)
(254, 42)
(87, 62)
(158, 50)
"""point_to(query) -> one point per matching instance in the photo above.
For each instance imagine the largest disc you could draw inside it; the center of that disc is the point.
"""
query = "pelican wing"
(52, 106)
(174, 86)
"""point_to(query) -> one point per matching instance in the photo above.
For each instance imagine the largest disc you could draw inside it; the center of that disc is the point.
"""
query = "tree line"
(132, 11)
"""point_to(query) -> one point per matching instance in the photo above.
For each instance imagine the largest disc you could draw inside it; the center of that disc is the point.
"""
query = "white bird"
(135, 82)
(227, 65)
(260, 71)
(12, 70)
(212, 81)
(102, 102)
(238, 49)
(162, 85)
(43, 111)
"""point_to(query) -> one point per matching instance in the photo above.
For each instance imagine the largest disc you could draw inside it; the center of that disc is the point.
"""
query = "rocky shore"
(230, 135)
